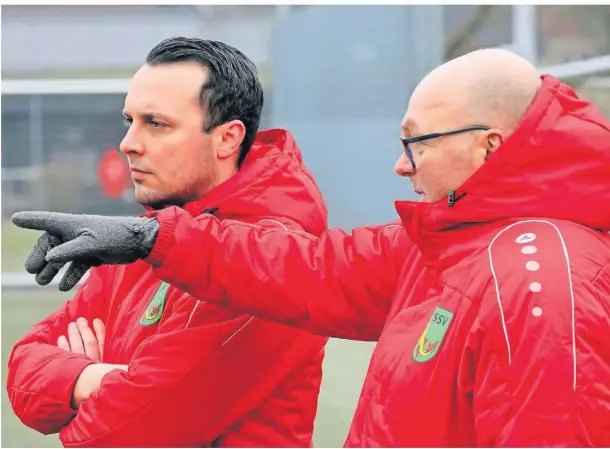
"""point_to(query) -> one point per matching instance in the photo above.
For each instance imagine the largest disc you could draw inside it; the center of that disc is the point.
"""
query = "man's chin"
(149, 199)
(157, 201)
(429, 198)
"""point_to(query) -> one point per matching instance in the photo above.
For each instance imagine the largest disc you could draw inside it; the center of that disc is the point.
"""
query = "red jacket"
(492, 315)
(198, 373)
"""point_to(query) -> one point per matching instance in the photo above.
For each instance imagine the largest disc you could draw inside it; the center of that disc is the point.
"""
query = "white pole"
(525, 36)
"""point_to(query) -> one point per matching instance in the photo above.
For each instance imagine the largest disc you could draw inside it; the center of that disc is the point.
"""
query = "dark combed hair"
(232, 91)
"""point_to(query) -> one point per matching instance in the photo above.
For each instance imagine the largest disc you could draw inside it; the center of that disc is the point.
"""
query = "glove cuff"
(148, 229)
(166, 219)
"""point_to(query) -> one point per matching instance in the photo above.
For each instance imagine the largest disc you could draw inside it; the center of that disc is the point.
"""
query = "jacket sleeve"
(338, 285)
(544, 369)
(203, 370)
(41, 376)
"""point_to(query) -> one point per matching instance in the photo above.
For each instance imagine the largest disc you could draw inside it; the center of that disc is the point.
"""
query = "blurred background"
(339, 77)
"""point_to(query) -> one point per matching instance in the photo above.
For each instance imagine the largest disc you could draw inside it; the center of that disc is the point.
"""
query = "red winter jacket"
(492, 315)
(198, 373)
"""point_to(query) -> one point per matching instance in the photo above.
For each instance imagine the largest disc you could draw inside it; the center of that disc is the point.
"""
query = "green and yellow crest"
(154, 311)
(430, 340)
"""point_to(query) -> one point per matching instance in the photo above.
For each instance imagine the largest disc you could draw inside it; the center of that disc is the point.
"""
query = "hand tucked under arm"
(82, 340)
(90, 380)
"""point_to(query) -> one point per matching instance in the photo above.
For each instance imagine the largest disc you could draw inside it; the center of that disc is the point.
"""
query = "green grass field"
(344, 370)
(16, 245)
(19, 311)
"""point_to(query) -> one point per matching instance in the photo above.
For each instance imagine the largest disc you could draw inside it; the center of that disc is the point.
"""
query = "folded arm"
(41, 376)
(203, 371)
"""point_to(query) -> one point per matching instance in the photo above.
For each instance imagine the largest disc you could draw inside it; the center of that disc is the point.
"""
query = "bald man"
(489, 297)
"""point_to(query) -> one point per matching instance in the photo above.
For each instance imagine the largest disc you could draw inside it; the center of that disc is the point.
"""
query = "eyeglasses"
(408, 140)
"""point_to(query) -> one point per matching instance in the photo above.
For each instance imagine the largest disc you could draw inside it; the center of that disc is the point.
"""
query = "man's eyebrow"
(149, 116)
(409, 127)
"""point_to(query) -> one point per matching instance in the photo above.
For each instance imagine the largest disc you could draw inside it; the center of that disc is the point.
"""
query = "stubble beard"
(189, 191)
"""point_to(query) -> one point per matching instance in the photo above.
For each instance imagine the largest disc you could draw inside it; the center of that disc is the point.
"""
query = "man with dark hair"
(490, 303)
(134, 361)
(232, 90)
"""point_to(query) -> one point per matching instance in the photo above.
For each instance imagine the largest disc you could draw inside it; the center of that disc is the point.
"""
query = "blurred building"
(65, 71)
(339, 77)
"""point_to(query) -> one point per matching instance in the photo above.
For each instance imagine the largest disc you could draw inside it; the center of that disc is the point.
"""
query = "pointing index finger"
(53, 222)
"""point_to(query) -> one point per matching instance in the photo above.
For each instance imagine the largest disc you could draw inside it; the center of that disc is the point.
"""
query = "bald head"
(492, 86)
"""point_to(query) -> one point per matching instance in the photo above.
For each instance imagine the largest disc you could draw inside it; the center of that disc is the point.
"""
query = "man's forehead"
(166, 85)
(431, 117)
(421, 112)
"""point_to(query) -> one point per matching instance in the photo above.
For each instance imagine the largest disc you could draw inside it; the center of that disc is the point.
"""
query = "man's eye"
(127, 123)
(155, 124)
(418, 146)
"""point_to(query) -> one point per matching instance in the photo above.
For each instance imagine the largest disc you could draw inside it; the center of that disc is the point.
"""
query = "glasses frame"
(408, 140)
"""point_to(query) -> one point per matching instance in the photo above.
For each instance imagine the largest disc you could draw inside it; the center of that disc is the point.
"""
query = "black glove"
(86, 241)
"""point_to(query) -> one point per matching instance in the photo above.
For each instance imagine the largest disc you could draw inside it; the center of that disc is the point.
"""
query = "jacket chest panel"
(416, 367)
(134, 318)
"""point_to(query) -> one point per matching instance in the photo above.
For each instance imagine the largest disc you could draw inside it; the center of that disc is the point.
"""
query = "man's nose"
(131, 144)
(403, 166)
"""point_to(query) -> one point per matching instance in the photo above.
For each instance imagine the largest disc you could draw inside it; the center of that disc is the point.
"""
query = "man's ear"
(494, 139)
(487, 142)
(228, 139)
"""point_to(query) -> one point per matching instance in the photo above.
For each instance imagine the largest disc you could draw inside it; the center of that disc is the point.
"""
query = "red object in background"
(113, 173)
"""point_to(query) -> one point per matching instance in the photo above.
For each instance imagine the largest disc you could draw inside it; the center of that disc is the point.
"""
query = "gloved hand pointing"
(84, 240)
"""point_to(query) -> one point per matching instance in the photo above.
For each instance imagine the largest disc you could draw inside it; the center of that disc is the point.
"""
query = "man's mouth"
(138, 175)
